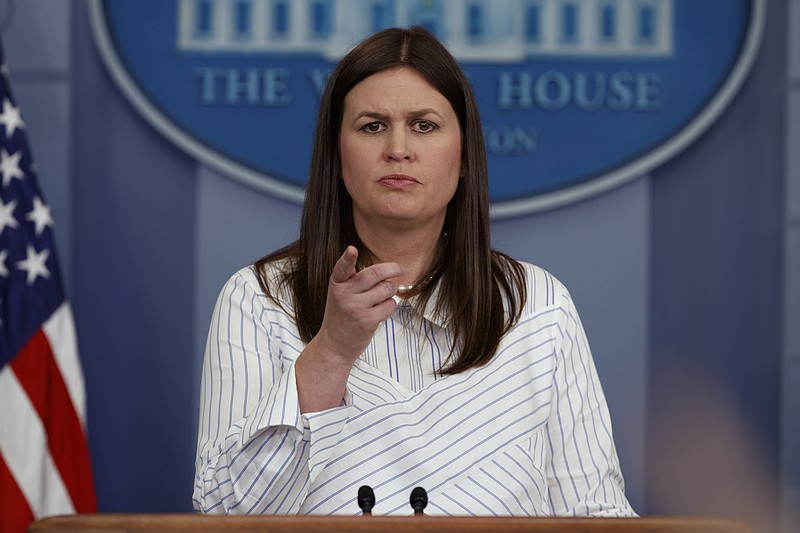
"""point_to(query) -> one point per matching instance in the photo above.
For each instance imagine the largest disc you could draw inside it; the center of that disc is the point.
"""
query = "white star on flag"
(3, 268)
(40, 215)
(11, 118)
(7, 219)
(9, 166)
(34, 264)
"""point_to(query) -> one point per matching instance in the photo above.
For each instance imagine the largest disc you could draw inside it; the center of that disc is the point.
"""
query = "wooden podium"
(156, 523)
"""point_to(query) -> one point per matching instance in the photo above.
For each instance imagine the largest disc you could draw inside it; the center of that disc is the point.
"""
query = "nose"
(398, 147)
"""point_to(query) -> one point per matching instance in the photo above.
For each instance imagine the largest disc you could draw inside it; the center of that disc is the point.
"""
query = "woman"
(390, 346)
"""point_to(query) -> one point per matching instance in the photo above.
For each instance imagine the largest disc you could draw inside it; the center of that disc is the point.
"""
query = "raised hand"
(357, 303)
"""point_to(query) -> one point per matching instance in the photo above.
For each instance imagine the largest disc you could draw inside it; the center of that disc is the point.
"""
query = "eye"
(372, 127)
(424, 126)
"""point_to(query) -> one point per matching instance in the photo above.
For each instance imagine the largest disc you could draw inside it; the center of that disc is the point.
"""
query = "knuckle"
(375, 274)
(390, 288)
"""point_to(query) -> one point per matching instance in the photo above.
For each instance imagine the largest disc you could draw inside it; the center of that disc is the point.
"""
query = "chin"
(399, 211)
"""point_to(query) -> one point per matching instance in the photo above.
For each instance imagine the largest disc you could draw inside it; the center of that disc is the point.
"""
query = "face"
(400, 147)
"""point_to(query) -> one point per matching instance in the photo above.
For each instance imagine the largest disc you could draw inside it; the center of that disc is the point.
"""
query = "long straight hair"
(481, 291)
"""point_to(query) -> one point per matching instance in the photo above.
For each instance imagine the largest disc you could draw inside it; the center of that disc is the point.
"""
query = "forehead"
(400, 86)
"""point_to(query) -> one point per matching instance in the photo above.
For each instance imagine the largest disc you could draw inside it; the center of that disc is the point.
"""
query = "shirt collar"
(429, 312)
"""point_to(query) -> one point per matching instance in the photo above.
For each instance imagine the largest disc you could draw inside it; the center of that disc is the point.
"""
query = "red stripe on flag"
(16, 514)
(39, 375)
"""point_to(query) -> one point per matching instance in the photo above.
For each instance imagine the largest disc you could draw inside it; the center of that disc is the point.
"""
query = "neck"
(414, 249)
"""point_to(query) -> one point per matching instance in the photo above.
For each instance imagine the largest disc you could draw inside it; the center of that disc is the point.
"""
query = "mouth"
(398, 181)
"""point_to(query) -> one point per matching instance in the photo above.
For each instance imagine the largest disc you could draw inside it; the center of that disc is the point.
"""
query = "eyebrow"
(383, 116)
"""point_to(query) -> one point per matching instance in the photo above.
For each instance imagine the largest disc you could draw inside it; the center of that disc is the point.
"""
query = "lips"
(398, 181)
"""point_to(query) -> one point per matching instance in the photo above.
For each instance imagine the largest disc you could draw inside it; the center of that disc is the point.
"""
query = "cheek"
(455, 161)
(349, 155)
(344, 152)
(349, 162)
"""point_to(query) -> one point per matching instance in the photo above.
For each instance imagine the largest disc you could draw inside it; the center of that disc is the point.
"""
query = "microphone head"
(418, 499)
(366, 498)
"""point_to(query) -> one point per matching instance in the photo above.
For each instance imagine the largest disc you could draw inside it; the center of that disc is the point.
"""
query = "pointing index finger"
(345, 267)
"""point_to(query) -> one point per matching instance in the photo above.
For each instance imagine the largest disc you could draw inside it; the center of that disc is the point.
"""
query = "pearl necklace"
(405, 289)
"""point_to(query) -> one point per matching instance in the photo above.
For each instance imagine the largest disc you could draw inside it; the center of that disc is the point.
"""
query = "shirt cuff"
(280, 407)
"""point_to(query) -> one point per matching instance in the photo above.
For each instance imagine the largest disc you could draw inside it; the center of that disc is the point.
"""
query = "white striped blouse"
(528, 434)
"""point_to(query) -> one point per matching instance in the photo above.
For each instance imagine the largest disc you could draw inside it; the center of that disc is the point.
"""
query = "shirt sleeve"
(584, 474)
(254, 446)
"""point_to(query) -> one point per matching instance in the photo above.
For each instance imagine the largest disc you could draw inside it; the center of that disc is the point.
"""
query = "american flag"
(44, 458)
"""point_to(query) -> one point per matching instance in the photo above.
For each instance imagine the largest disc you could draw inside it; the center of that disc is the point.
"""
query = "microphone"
(366, 499)
(418, 500)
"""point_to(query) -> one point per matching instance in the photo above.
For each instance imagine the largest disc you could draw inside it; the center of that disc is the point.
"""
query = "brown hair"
(481, 291)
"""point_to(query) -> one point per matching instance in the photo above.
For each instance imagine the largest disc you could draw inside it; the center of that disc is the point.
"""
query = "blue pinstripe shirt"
(528, 434)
